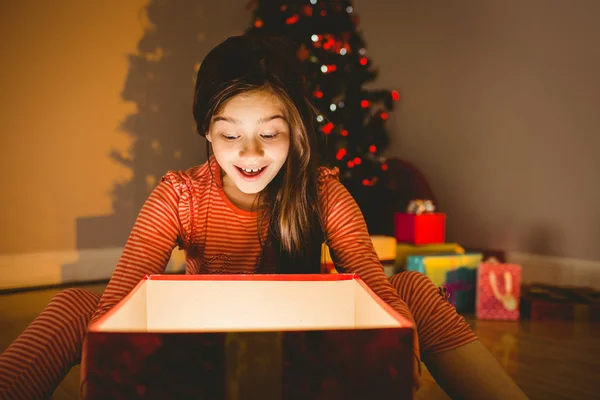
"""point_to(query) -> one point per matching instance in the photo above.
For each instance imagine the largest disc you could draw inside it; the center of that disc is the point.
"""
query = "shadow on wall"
(160, 82)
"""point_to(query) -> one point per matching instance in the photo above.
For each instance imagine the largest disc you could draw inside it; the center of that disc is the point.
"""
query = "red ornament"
(366, 182)
(395, 95)
(350, 164)
(323, 13)
(340, 153)
(357, 161)
(302, 53)
(372, 148)
(258, 23)
(384, 116)
(318, 94)
(307, 10)
(363, 61)
(364, 103)
(292, 20)
(384, 167)
(327, 128)
(344, 132)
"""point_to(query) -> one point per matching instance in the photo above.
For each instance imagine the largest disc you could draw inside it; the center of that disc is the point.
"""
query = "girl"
(261, 204)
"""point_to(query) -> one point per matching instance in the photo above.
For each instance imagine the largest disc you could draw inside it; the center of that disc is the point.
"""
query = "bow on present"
(420, 206)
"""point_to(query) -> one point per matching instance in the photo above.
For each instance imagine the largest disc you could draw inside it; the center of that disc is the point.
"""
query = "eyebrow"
(237, 121)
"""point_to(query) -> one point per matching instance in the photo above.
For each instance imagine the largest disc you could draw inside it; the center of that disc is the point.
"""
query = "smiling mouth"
(250, 172)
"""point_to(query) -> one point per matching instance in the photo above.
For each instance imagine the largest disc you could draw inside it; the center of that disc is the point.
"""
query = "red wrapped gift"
(551, 303)
(498, 291)
(428, 228)
(250, 337)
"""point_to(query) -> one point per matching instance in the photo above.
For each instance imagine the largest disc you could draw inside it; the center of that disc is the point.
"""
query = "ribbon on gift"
(420, 206)
(458, 286)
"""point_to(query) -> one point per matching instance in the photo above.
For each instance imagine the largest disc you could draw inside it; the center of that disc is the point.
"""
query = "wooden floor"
(547, 360)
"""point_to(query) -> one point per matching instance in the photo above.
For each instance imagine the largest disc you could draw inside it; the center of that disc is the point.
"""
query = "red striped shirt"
(189, 209)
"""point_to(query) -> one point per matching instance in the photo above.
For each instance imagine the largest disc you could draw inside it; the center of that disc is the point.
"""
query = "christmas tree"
(351, 119)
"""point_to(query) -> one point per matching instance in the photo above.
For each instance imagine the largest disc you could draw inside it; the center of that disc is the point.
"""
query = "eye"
(270, 136)
(229, 138)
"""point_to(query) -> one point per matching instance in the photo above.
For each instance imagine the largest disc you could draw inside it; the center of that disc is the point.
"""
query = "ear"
(208, 137)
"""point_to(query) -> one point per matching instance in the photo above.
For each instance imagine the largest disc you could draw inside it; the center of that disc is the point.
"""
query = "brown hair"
(243, 64)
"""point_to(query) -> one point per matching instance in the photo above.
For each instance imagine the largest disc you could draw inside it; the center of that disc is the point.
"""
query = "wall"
(499, 109)
(96, 106)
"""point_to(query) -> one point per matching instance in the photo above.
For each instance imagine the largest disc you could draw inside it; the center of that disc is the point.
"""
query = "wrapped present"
(551, 303)
(437, 266)
(460, 283)
(403, 250)
(428, 228)
(498, 291)
(250, 337)
(385, 247)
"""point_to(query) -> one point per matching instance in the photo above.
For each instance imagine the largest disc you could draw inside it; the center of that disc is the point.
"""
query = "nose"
(252, 148)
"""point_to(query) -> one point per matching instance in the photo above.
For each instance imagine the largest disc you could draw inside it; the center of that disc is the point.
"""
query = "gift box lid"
(264, 302)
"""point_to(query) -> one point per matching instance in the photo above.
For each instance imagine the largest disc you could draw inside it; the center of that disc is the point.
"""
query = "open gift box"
(248, 337)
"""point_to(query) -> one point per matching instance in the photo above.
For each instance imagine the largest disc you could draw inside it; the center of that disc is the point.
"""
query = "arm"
(151, 241)
(352, 250)
(153, 237)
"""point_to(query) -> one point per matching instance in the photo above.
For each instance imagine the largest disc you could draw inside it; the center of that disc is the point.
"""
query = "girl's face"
(250, 139)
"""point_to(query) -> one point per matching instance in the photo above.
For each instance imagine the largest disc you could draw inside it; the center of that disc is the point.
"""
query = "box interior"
(230, 305)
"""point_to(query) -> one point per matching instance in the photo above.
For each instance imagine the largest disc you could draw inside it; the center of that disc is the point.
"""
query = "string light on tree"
(364, 103)
(349, 9)
(313, 2)
(327, 128)
(320, 118)
(333, 107)
(292, 20)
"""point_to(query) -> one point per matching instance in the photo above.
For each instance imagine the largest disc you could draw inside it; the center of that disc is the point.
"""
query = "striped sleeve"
(351, 246)
(158, 229)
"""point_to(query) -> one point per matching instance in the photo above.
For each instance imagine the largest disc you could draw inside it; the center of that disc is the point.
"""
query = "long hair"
(289, 205)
